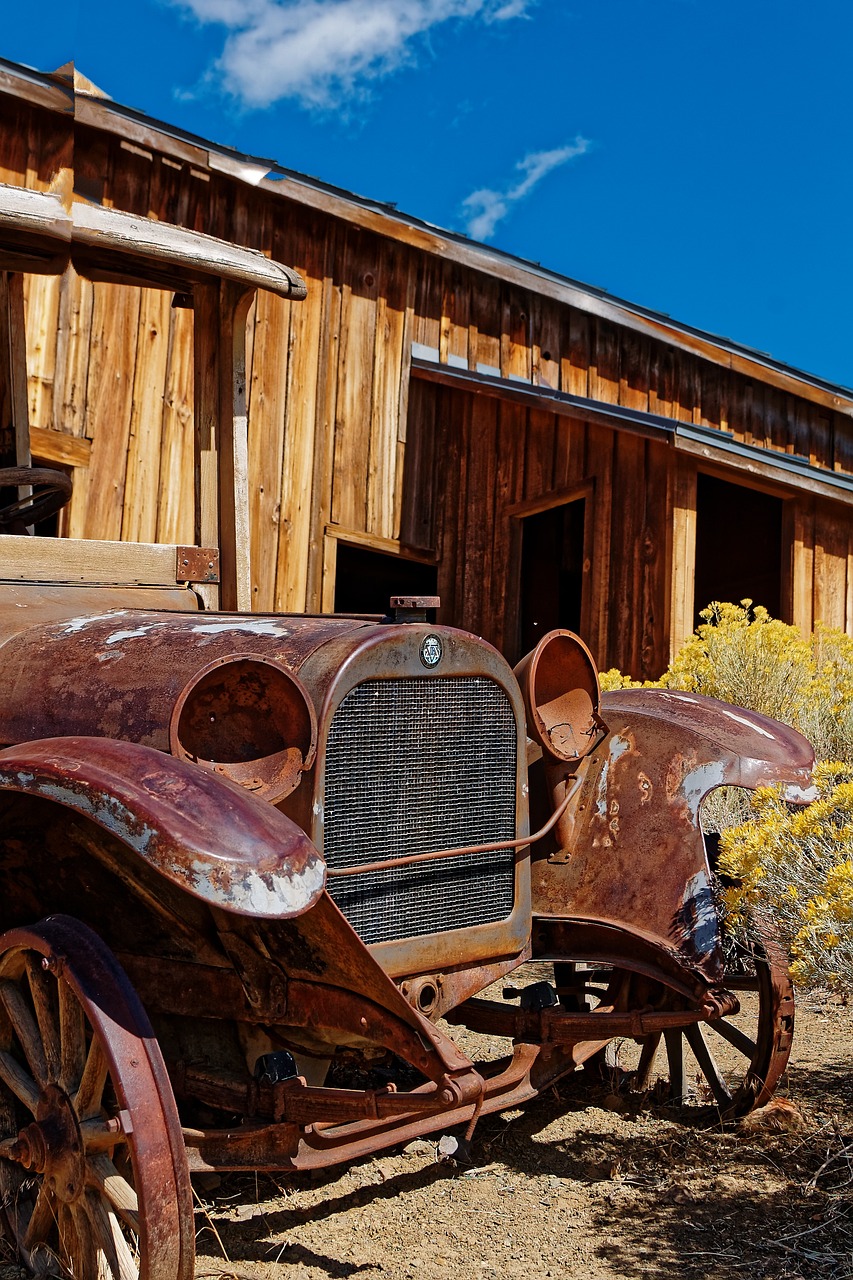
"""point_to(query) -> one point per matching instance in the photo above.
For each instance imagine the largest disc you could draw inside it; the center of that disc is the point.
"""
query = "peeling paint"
(260, 627)
(274, 894)
(130, 635)
(699, 780)
(73, 625)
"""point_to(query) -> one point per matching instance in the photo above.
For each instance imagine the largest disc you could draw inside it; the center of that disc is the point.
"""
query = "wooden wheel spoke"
(41, 1220)
(115, 1259)
(43, 990)
(26, 1029)
(84, 1262)
(72, 1039)
(647, 1057)
(695, 1038)
(87, 1103)
(22, 1085)
(110, 1183)
(739, 1039)
(675, 1059)
(100, 1135)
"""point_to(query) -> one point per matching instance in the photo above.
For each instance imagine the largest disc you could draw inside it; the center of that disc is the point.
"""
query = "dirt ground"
(582, 1183)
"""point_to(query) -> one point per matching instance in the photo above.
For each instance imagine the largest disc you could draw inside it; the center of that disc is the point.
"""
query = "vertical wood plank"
(803, 566)
(577, 354)
(831, 536)
(604, 362)
(109, 400)
(383, 480)
(324, 435)
(600, 444)
(300, 445)
(484, 328)
(681, 508)
(140, 503)
(515, 336)
(355, 382)
(634, 367)
(176, 506)
(271, 358)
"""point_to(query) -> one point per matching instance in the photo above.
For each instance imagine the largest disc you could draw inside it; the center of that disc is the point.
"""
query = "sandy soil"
(581, 1183)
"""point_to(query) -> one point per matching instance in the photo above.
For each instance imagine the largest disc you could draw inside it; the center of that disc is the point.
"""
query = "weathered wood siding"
(342, 438)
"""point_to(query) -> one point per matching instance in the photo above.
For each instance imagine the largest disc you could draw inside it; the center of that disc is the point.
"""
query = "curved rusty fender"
(745, 748)
(206, 835)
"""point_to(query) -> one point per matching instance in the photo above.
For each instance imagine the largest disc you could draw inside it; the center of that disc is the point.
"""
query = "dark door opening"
(738, 546)
(365, 580)
(552, 547)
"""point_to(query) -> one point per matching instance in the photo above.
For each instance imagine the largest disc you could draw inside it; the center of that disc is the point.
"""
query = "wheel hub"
(53, 1145)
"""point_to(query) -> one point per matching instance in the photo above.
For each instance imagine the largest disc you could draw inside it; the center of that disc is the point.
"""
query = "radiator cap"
(413, 608)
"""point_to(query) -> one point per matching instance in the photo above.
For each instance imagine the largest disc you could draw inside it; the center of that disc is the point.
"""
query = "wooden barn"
(437, 417)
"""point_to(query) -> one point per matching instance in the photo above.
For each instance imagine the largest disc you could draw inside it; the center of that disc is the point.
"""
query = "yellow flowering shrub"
(796, 863)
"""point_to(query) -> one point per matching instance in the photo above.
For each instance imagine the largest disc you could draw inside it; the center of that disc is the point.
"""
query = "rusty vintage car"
(245, 855)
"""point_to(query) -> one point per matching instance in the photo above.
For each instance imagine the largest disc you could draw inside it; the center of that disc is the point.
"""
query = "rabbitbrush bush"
(796, 864)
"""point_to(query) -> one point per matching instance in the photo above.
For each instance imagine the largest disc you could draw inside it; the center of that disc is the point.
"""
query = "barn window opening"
(738, 546)
(365, 580)
(552, 551)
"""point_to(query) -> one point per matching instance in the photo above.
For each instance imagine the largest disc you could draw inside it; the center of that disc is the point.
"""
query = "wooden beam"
(58, 447)
(387, 546)
(74, 560)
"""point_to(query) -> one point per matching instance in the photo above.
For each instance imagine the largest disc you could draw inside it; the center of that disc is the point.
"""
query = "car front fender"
(210, 837)
(631, 846)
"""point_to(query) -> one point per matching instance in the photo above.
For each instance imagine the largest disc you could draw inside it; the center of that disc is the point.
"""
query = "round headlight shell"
(249, 720)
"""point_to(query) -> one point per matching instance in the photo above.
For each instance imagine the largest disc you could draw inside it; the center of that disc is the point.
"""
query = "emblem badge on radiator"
(431, 651)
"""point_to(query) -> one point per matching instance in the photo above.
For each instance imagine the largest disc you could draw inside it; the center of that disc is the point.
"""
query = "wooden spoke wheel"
(734, 1062)
(93, 1170)
(51, 491)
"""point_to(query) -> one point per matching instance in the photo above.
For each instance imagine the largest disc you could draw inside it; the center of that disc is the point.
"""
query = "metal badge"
(431, 651)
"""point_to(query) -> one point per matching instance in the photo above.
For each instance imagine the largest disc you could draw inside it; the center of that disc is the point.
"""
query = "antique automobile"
(257, 868)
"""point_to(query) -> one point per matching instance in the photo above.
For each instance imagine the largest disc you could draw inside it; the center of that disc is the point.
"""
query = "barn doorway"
(365, 580)
(552, 558)
(739, 533)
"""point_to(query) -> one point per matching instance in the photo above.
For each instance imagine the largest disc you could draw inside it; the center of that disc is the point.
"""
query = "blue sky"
(692, 156)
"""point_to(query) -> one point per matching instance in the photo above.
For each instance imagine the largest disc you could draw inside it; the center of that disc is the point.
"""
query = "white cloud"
(321, 51)
(484, 209)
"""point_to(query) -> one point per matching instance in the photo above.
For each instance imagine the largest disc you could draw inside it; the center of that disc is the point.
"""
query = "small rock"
(614, 1102)
(418, 1147)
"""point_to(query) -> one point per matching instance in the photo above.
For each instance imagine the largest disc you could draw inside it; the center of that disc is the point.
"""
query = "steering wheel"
(51, 491)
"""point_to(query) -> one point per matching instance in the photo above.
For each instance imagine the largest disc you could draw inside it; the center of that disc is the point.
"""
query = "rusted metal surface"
(204, 834)
(54, 978)
(630, 848)
(249, 720)
(119, 672)
(197, 564)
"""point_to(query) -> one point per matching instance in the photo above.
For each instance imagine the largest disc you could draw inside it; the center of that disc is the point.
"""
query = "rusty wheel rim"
(92, 1164)
(755, 1047)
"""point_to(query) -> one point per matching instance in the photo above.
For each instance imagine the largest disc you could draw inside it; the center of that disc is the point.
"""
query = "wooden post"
(682, 505)
(14, 416)
(221, 438)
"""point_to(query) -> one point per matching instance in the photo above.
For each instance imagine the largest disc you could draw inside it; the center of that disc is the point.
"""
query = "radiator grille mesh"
(415, 765)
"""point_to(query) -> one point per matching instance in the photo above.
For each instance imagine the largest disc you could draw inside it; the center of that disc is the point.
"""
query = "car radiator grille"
(413, 766)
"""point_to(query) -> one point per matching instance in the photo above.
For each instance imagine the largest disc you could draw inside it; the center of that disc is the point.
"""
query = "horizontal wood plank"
(82, 560)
